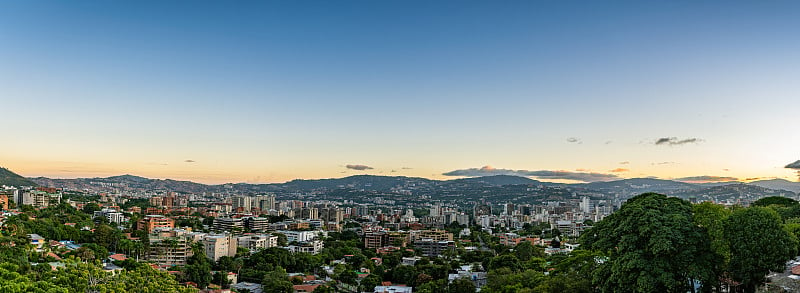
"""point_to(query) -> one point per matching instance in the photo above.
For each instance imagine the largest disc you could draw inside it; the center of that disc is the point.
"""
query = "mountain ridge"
(8, 177)
(400, 184)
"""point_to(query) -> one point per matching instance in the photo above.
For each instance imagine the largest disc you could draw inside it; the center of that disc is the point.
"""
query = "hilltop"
(7, 177)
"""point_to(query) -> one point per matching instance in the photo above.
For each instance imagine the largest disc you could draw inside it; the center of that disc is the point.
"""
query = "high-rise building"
(264, 203)
(242, 203)
(508, 208)
(156, 201)
(331, 214)
(586, 205)
(375, 239)
(306, 213)
(481, 209)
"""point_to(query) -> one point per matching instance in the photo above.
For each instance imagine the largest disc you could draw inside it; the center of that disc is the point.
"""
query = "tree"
(221, 279)
(774, 200)
(104, 235)
(505, 261)
(90, 208)
(368, 283)
(198, 267)
(758, 244)
(524, 251)
(282, 240)
(461, 286)
(277, 281)
(347, 277)
(653, 246)
(711, 217)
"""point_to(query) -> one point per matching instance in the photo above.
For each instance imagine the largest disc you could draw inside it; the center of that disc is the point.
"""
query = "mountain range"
(416, 186)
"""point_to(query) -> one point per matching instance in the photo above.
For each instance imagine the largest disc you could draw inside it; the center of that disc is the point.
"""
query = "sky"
(270, 91)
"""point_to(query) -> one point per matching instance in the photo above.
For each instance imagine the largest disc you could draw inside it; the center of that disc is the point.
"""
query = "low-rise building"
(152, 222)
(112, 215)
(312, 247)
(431, 248)
(228, 224)
(255, 242)
(393, 289)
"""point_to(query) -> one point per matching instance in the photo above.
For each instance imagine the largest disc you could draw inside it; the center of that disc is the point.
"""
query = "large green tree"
(277, 281)
(758, 243)
(198, 267)
(652, 246)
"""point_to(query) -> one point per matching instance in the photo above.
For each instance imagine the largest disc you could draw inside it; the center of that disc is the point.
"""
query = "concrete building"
(219, 245)
(112, 215)
(312, 247)
(300, 236)
(436, 235)
(264, 203)
(150, 222)
(242, 203)
(331, 214)
(4, 201)
(39, 199)
(375, 239)
(228, 224)
(432, 248)
(169, 246)
(256, 242)
(306, 213)
(256, 224)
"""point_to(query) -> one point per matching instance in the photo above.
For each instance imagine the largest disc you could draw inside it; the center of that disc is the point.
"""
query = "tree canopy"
(653, 246)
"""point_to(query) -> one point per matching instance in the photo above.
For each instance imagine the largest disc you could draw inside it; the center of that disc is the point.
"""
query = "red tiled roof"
(118, 256)
(796, 270)
(305, 288)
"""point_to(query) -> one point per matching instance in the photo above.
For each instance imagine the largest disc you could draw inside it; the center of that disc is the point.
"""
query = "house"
(36, 240)
(393, 289)
(305, 288)
(252, 287)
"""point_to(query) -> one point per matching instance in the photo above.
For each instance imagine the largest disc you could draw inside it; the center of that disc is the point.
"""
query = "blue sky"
(270, 91)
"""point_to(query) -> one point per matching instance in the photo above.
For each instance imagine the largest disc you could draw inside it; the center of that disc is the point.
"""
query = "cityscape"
(399, 146)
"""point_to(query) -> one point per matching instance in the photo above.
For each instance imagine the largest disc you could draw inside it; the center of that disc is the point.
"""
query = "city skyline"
(265, 92)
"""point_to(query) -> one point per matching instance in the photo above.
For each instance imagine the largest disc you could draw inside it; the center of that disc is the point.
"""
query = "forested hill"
(9, 178)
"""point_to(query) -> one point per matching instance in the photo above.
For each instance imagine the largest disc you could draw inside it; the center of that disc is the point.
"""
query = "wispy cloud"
(359, 167)
(663, 163)
(624, 163)
(574, 140)
(706, 179)
(189, 161)
(675, 141)
(541, 174)
(619, 170)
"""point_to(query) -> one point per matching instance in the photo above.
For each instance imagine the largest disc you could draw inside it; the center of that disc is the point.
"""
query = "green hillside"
(13, 179)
